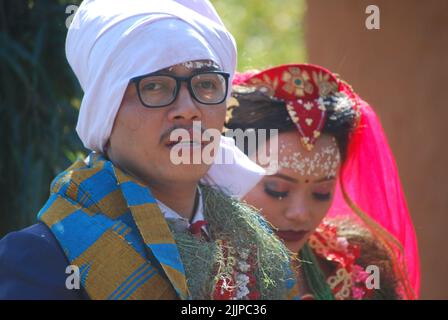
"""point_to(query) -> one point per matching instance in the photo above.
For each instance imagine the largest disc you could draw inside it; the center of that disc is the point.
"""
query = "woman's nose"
(299, 212)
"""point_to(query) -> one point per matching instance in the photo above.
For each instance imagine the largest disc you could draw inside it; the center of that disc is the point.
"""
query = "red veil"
(369, 187)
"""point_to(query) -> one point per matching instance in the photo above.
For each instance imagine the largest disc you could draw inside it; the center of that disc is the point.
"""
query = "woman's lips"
(291, 236)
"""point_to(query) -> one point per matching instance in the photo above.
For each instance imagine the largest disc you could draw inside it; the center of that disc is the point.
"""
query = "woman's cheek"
(260, 200)
(320, 213)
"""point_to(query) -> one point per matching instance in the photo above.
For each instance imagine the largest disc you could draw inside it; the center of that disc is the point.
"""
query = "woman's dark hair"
(257, 110)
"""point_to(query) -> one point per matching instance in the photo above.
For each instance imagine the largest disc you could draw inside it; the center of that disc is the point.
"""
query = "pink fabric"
(241, 77)
(370, 178)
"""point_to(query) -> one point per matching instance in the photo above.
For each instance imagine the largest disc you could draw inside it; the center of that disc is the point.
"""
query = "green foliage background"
(39, 94)
(267, 33)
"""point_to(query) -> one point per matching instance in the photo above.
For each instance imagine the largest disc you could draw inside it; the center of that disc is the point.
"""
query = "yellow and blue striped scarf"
(96, 212)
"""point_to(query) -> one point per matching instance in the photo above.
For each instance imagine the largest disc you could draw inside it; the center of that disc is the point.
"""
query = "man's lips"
(186, 143)
(292, 236)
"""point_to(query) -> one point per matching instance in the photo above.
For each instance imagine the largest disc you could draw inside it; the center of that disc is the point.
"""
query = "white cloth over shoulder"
(111, 41)
(233, 172)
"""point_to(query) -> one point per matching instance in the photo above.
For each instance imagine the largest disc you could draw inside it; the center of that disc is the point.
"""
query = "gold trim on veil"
(387, 240)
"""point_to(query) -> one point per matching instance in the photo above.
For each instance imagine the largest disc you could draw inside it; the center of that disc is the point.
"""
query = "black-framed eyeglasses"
(156, 90)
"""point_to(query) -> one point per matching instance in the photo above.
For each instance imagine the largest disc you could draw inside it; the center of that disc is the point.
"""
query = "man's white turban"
(111, 41)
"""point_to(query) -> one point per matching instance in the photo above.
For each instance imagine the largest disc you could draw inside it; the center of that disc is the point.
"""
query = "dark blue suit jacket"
(32, 266)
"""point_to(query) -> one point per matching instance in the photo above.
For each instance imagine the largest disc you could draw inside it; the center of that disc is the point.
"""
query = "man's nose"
(184, 107)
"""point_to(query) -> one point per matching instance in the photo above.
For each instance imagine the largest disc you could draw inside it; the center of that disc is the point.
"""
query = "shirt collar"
(181, 223)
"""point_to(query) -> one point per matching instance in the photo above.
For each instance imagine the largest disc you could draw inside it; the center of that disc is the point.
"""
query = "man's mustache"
(192, 128)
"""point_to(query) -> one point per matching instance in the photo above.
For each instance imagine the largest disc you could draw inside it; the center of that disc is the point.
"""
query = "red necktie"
(196, 228)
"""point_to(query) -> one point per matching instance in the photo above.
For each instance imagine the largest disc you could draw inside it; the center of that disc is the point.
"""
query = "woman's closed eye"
(275, 192)
(323, 191)
(322, 196)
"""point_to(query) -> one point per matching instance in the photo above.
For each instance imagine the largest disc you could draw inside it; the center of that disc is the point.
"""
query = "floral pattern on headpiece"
(324, 83)
(297, 82)
(266, 85)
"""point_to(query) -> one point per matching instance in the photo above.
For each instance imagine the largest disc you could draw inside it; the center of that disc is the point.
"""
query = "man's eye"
(275, 194)
(207, 85)
(322, 196)
(153, 86)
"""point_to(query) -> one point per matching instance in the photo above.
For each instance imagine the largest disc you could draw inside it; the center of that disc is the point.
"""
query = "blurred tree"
(267, 33)
(38, 96)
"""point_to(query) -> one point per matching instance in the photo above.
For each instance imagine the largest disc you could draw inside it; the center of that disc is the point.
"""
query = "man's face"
(140, 139)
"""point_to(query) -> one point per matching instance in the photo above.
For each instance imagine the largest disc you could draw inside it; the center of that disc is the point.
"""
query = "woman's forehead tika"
(324, 162)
